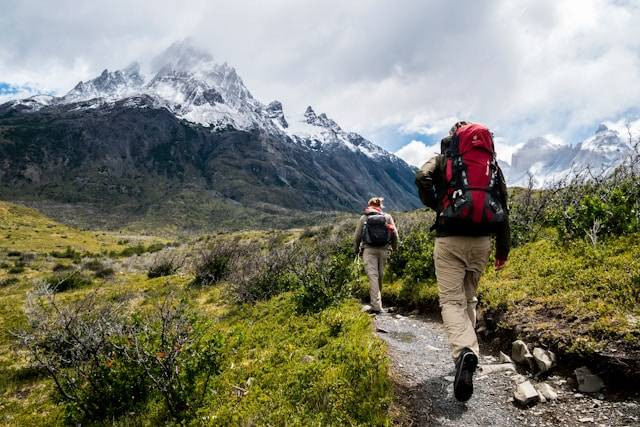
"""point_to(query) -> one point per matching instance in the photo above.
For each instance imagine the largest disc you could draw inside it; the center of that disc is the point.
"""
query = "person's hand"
(500, 263)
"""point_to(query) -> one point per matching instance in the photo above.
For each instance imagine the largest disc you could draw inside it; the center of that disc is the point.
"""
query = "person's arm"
(503, 235)
(395, 237)
(358, 236)
(426, 183)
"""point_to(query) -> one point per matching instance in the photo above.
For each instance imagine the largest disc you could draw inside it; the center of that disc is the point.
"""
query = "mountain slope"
(190, 135)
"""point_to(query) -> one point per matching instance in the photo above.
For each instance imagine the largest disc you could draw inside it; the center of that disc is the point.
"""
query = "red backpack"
(471, 201)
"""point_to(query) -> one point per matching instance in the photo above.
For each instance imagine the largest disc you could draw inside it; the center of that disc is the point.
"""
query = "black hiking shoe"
(465, 367)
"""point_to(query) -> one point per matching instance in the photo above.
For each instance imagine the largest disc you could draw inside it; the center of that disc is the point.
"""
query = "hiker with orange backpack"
(375, 235)
(466, 188)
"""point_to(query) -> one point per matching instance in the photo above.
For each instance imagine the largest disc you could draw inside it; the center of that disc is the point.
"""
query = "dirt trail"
(422, 370)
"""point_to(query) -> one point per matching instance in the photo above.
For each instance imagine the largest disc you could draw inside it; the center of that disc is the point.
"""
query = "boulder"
(526, 394)
(504, 358)
(520, 353)
(545, 359)
(518, 379)
(547, 391)
(588, 382)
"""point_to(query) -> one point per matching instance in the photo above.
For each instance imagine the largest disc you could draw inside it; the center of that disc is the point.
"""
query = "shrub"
(16, 269)
(165, 265)
(8, 282)
(138, 249)
(214, 263)
(323, 274)
(105, 363)
(104, 273)
(413, 259)
(100, 271)
(65, 280)
(61, 267)
(69, 252)
(264, 274)
(155, 247)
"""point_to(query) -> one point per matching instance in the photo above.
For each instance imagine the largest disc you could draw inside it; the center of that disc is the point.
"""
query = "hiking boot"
(465, 367)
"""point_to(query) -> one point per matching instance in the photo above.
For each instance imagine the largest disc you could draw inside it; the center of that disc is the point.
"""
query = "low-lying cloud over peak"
(396, 72)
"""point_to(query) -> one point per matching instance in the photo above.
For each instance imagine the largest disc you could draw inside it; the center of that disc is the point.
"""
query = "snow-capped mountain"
(549, 161)
(190, 84)
(127, 144)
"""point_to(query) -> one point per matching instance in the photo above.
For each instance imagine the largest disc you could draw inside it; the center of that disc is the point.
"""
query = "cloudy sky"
(399, 72)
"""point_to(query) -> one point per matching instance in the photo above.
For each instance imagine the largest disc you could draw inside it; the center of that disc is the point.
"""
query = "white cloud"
(416, 153)
(524, 68)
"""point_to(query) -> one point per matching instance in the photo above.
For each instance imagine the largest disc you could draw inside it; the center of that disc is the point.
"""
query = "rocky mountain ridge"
(122, 143)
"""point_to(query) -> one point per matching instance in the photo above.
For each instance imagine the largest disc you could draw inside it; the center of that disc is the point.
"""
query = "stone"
(450, 378)
(545, 359)
(586, 420)
(366, 308)
(521, 354)
(588, 382)
(503, 358)
(307, 358)
(547, 391)
(490, 369)
(526, 394)
(518, 379)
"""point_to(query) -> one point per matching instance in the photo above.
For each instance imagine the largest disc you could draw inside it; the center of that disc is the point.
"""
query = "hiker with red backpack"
(375, 235)
(466, 188)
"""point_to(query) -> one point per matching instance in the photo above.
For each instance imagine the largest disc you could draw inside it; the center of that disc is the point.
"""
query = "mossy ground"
(581, 297)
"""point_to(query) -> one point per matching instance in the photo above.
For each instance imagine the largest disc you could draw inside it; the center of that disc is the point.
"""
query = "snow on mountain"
(549, 161)
(319, 132)
(110, 85)
(190, 84)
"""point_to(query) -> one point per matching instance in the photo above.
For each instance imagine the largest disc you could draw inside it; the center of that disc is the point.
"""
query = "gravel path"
(422, 370)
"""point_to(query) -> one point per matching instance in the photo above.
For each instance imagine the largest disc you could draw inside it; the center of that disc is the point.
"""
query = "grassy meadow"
(276, 364)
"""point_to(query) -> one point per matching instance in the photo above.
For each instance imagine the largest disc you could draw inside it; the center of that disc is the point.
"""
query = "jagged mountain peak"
(109, 84)
(188, 82)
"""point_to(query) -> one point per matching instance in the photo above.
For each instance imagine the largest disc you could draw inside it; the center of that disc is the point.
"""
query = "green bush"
(324, 276)
(16, 269)
(413, 260)
(214, 264)
(65, 280)
(603, 210)
(138, 249)
(8, 282)
(69, 252)
(106, 363)
(263, 275)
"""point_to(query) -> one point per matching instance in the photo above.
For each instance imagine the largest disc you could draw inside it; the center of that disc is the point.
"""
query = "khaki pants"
(460, 261)
(374, 259)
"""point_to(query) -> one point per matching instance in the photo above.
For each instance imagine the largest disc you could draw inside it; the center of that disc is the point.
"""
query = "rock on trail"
(423, 373)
